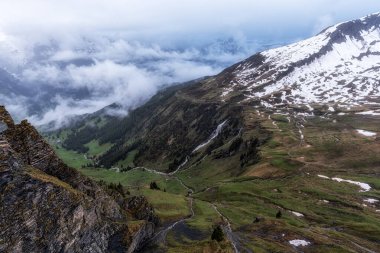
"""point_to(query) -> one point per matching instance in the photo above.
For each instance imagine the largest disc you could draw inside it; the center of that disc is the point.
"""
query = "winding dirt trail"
(227, 229)
(160, 237)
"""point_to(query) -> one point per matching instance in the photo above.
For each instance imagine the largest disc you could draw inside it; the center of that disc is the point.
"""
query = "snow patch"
(365, 187)
(297, 214)
(298, 243)
(227, 91)
(301, 134)
(373, 113)
(309, 108)
(371, 201)
(366, 133)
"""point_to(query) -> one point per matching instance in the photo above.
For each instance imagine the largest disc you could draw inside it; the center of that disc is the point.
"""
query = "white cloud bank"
(122, 72)
(125, 50)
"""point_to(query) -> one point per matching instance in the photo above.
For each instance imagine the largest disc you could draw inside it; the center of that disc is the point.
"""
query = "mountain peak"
(339, 65)
(353, 28)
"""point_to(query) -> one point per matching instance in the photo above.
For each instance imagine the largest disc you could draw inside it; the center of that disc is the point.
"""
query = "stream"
(215, 134)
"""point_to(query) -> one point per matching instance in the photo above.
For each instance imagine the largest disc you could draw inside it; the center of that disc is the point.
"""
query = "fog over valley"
(90, 54)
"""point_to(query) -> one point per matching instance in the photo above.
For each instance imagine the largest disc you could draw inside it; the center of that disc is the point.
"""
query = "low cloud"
(118, 72)
(74, 57)
(16, 105)
(65, 110)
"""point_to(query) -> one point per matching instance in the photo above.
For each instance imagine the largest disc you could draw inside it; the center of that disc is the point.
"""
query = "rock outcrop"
(47, 206)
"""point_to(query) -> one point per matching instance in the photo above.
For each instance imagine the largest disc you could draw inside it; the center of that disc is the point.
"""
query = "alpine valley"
(277, 153)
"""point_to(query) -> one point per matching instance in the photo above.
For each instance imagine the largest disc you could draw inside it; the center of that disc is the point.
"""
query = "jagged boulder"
(140, 208)
(5, 117)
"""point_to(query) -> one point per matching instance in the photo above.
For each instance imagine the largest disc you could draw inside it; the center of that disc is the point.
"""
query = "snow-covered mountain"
(339, 66)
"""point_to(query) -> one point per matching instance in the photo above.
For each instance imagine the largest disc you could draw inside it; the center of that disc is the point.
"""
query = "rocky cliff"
(47, 206)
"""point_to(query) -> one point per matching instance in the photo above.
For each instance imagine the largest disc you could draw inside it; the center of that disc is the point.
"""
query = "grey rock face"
(47, 206)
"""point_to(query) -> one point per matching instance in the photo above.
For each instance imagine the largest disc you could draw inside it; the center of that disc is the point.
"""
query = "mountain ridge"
(277, 73)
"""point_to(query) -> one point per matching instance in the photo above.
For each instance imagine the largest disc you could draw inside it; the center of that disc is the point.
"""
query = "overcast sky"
(140, 46)
(173, 20)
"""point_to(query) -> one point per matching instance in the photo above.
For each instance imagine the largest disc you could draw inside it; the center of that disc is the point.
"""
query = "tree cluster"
(154, 186)
(217, 234)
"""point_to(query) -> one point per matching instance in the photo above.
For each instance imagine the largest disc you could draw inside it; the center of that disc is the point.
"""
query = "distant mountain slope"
(338, 66)
(167, 129)
(47, 206)
(335, 71)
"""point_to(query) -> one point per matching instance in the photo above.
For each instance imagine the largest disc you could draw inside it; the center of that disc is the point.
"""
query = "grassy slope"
(286, 179)
(128, 161)
(96, 149)
(73, 158)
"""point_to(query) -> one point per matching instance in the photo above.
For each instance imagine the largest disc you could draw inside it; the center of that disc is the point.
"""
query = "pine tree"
(153, 185)
(120, 189)
(217, 234)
